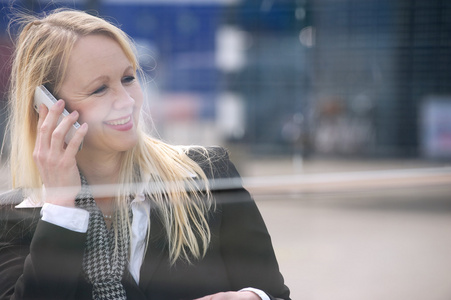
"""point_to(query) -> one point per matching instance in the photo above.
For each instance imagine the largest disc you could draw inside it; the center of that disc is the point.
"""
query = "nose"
(122, 98)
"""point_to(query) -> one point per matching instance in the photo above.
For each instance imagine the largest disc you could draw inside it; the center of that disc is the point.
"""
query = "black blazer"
(39, 260)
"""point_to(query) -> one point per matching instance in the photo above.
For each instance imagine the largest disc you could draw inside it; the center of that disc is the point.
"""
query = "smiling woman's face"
(101, 85)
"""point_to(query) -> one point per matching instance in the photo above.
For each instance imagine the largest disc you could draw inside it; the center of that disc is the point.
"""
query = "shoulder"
(212, 154)
(214, 161)
(13, 206)
(16, 223)
(11, 197)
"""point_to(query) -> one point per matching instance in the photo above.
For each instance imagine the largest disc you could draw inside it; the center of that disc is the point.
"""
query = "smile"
(119, 122)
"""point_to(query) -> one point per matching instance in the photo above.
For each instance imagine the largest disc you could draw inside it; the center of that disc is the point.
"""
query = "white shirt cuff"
(259, 293)
(72, 218)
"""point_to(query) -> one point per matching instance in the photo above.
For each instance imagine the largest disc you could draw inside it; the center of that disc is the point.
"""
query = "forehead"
(92, 51)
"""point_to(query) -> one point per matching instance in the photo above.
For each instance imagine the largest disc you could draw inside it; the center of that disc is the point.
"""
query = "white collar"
(29, 203)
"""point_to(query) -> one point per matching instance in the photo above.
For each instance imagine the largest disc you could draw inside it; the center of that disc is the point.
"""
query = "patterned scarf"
(103, 267)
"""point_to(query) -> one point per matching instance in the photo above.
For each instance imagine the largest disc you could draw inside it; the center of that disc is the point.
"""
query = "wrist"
(59, 196)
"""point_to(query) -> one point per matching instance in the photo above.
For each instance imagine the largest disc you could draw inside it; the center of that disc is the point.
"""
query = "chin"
(126, 145)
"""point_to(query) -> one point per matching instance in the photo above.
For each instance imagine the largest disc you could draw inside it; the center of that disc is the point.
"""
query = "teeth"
(120, 122)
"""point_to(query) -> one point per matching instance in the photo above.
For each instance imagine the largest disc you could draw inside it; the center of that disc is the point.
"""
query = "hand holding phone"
(57, 164)
(43, 96)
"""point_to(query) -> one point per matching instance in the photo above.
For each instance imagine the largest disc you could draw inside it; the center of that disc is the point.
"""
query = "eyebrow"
(100, 78)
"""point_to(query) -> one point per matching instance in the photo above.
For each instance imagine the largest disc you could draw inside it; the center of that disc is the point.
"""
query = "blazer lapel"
(155, 249)
(131, 288)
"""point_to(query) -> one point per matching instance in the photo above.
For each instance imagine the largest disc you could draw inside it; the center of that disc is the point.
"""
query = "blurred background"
(336, 112)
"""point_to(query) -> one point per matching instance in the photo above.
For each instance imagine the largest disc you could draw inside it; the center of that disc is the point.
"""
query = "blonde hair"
(165, 173)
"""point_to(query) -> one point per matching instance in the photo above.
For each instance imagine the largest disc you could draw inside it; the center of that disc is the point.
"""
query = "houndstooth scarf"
(102, 266)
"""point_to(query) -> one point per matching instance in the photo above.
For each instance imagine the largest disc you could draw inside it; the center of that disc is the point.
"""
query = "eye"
(99, 90)
(128, 79)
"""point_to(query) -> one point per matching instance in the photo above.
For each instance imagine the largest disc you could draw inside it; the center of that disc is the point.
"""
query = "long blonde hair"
(176, 184)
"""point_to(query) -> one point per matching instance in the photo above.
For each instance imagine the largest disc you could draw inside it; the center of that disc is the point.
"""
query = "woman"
(170, 231)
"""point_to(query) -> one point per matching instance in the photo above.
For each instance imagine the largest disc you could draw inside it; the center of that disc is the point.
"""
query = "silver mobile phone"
(42, 95)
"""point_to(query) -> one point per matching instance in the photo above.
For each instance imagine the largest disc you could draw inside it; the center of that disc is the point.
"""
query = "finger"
(62, 129)
(74, 144)
(42, 114)
(50, 122)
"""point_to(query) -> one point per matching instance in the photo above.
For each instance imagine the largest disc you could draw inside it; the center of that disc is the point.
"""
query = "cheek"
(90, 115)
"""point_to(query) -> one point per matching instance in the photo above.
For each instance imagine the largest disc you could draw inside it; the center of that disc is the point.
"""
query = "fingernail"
(60, 102)
(74, 113)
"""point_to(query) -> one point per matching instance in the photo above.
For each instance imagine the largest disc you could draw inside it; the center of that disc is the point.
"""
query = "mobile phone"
(43, 96)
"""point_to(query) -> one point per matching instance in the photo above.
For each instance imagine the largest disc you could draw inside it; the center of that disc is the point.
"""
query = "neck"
(100, 172)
